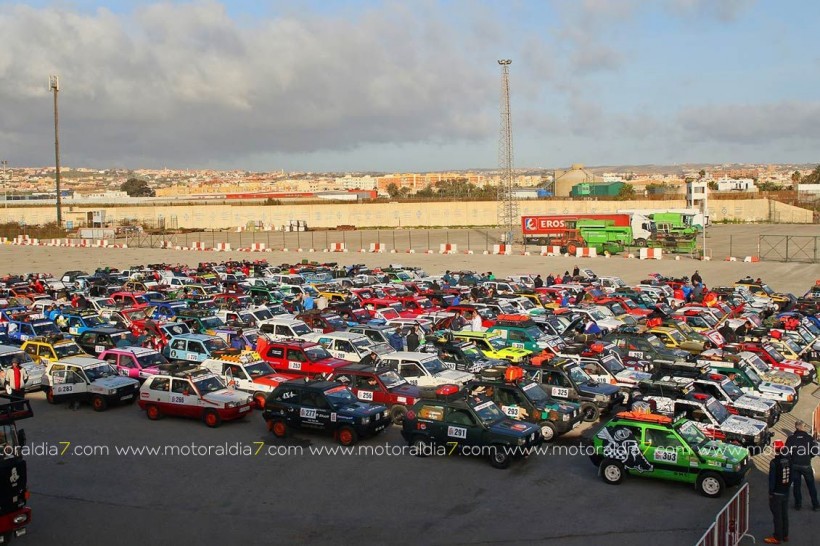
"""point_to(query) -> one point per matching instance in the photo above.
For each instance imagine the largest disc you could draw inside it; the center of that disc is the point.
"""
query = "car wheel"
(499, 458)
(50, 396)
(153, 412)
(347, 436)
(612, 472)
(99, 403)
(278, 427)
(212, 419)
(590, 412)
(397, 414)
(421, 446)
(259, 400)
(548, 431)
(710, 484)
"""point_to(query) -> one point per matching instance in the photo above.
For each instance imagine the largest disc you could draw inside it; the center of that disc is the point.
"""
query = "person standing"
(413, 339)
(476, 322)
(779, 482)
(575, 271)
(801, 448)
(696, 278)
(16, 378)
(538, 282)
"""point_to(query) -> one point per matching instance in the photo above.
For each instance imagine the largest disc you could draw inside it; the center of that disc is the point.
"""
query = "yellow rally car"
(762, 290)
(674, 339)
(45, 351)
(541, 301)
(493, 345)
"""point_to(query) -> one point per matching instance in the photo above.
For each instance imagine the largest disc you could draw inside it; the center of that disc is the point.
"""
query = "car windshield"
(6, 359)
(487, 411)
(526, 304)
(497, 342)
(731, 389)
(718, 410)
(67, 349)
(617, 309)
(339, 397)
(215, 344)
(766, 289)
(534, 392)
(209, 384)
(362, 344)
(212, 323)
(301, 329)
(263, 314)
(774, 353)
(433, 365)
(151, 359)
(791, 345)
(596, 314)
(93, 320)
(336, 322)
(579, 376)
(472, 353)
(676, 336)
(316, 353)
(533, 332)
(691, 434)
(612, 365)
(487, 313)
(654, 341)
(252, 338)
(506, 307)
(258, 369)
(98, 372)
(391, 379)
(424, 303)
(46, 328)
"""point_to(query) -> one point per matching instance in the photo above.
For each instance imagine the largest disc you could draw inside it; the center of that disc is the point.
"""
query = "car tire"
(259, 400)
(98, 403)
(346, 436)
(711, 484)
(590, 412)
(212, 418)
(153, 412)
(397, 414)
(499, 458)
(421, 445)
(612, 471)
(278, 427)
(548, 431)
(50, 395)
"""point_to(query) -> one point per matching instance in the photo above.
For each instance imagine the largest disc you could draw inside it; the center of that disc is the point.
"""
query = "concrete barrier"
(338, 247)
(505, 250)
(586, 252)
(550, 251)
(651, 254)
(378, 247)
(448, 248)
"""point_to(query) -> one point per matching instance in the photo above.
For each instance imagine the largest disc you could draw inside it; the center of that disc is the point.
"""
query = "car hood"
(599, 388)
(115, 382)
(455, 376)
(518, 429)
(777, 388)
(361, 409)
(722, 452)
(754, 403)
(632, 376)
(780, 377)
(408, 391)
(272, 379)
(223, 396)
(742, 425)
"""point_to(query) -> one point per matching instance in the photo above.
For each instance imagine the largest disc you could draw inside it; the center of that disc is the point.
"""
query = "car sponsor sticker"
(177, 399)
(293, 365)
(484, 405)
(620, 444)
(560, 392)
(401, 399)
(366, 395)
(99, 348)
(333, 417)
(635, 354)
(307, 413)
(510, 411)
(457, 432)
(63, 389)
(529, 386)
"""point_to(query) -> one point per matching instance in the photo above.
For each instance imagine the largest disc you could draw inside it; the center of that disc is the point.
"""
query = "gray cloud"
(753, 123)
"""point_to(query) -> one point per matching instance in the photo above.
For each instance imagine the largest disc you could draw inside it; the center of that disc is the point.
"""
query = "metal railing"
(789, 248)
(731, 524)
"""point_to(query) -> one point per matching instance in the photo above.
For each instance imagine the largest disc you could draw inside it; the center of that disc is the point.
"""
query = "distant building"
(566, 180)
(596, 190)
(736, 184)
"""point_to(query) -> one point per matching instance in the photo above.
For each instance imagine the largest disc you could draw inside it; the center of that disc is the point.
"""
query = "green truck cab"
(655, 446)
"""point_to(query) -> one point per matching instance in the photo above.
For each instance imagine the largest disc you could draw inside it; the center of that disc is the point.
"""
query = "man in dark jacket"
(538, 282)
(413, 340)
(779, 482)
(801, 448)
(696, 278)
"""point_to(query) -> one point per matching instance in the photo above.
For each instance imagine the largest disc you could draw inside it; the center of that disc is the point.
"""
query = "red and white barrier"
(651, 254)
(378, 247)
(550, 251)
(732, 523)
(258, 247)
(731, 259)
(751, 259)
(585, 252)
(447, 248)
(502, 249)
(198, 245)
(223, 247)
(338, 247)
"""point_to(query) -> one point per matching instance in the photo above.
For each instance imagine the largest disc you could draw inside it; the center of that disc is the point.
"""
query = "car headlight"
(790, 398)
(365, 420)
(565, 417)
(249, 400)
(230, 405)
(522, 441)
(601, 397)
(112, 391)
(757, 437)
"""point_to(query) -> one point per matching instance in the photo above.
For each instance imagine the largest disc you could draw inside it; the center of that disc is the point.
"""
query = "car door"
(128, 366)
(158, 392)
(315, 411)
(665, 451)
(513, 403)
(196, 351)
(462, 427)
(557, 384)
(368, 388)
(412, 372)
(430, 421)
(177, 349)
(184, 397)
(296, 360)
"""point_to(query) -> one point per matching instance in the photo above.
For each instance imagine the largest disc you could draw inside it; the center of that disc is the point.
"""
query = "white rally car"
(84, 378)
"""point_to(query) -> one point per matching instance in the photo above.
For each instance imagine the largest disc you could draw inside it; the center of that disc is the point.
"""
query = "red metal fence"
(731, 524)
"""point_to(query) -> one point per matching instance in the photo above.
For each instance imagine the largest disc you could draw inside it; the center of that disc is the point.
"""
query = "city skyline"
(392, 86)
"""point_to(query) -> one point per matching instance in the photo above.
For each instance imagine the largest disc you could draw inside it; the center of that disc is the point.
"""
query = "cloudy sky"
(409, 85)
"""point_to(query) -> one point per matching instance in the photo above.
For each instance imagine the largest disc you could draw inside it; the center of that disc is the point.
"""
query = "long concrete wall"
(471, 213)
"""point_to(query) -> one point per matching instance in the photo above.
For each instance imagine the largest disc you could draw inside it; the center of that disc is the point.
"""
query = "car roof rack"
(644, 416)
(181, 369)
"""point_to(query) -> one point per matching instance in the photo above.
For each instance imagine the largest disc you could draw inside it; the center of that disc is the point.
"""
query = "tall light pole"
(508, 215)
(5, 183)
(54, 85)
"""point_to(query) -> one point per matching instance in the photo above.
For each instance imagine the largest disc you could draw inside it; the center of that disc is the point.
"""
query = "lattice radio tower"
(508, 215)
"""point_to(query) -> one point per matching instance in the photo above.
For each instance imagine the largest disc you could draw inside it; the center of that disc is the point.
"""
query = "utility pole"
(54, 85)
(507, 205)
